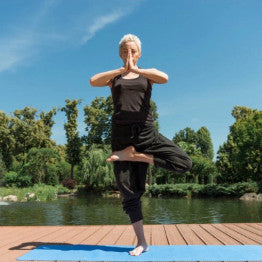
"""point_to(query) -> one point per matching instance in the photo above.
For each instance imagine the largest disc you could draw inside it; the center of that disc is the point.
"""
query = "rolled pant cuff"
(134, 219)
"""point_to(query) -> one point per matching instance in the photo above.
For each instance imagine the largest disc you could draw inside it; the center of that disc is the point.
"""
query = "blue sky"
(211, 51)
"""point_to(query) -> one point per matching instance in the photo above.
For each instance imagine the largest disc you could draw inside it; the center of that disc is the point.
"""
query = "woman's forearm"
(157, 76)
(102, 79)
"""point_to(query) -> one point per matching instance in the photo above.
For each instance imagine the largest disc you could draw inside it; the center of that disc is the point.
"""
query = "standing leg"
(130, 178)
(141, 241)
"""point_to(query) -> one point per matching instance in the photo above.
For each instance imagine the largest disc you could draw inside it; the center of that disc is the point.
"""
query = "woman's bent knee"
(188, 164)
(175, 164)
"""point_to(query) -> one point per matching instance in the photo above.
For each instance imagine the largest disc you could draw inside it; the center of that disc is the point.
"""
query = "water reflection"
(94, 210)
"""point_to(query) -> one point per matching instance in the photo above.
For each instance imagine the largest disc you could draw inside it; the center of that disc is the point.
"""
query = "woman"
(135, 142)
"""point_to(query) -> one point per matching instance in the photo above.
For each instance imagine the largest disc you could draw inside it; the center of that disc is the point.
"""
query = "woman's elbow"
(165, 78)
(92, 81)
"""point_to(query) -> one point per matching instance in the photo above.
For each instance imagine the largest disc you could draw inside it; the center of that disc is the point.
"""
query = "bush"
(63, 170)
(51, 177)
(69, 183)
(210, 190)
(10, 179)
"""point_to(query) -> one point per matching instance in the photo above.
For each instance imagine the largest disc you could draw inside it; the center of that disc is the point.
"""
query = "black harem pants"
(131, 175)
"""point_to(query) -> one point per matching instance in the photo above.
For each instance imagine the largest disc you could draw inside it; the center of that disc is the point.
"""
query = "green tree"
(198, 145)
(187, 135)
(2, 166)
(47, 119)
(38, 162)
(74, 142)
(28, 132)
(7, 141)
(240, 158)
(204, 142)
(201, 139)
(98, 121)
(97, 173)
(204, 170)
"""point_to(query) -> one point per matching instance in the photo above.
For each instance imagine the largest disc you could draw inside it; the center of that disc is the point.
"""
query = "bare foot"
(124, 155)
(139, 249)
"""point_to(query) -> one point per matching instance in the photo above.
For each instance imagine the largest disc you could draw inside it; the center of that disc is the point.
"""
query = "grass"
(42, 192)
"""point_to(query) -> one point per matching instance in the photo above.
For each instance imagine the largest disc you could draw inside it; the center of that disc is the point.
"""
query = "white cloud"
(100, 23)
(21, 46)
(194, 120)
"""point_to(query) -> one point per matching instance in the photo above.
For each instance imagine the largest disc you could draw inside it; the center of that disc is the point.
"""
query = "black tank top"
(131, 98)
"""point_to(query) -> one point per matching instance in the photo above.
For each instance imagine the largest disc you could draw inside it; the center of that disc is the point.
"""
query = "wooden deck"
(18, 240)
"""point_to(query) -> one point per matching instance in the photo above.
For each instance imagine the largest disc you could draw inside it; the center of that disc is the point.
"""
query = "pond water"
(96, 210)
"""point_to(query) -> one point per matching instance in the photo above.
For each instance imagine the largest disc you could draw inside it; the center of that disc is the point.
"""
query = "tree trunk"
(149, 175)
(72, 171)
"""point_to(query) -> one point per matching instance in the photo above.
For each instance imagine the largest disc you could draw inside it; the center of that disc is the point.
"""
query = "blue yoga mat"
(155, 253)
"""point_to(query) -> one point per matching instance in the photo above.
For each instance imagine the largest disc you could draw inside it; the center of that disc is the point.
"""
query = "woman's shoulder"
(112, 81)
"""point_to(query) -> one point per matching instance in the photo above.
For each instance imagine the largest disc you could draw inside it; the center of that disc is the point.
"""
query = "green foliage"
(69, 183)
(12, 179)
(98, 121)
(196, 190)
(74, 142)
(28, 131)
(240, 158)
(42, 192)
(63, 170)
(38, 165)
(51, 178)
(2, 166)
(203, 169)
(195, 143)
(97, 173)
(7, 141)
(204, 142)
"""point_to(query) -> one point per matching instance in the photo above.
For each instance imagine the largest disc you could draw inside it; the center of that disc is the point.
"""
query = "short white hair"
(130, 38)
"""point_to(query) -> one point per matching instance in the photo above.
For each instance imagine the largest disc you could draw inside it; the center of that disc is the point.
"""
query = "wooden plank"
(112, 236)
(204, 235)
(245, 233)
(19, 233)
(250, 228)
(159, 235)
(224, 238)
(83, 234)
(174, 236)
(62, 235)
(240, 238)
(94, 239)
(190, 237)
(253, 225)
(128, 237)
(17, 240)
(20, 240)
(29, 241)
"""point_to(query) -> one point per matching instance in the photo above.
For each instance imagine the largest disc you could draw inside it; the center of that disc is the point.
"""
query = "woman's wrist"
(135, 70)
(122, 70)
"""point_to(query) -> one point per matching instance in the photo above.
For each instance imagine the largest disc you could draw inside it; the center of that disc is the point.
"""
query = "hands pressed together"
(129, 64)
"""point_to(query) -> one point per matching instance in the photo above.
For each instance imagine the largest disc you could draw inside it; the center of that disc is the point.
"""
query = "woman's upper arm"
(151, 82)
(110, 83)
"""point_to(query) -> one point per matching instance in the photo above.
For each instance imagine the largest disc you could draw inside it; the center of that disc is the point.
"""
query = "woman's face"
(134, 51)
